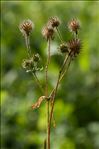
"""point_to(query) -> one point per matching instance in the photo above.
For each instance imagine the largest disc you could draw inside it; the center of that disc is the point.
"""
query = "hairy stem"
(46, 94)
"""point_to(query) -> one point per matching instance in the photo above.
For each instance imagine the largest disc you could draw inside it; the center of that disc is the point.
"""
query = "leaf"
(38, 103)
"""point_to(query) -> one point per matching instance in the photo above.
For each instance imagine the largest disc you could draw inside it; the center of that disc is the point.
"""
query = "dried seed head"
(48, 32)
(63, 48)
(54, 22)
(74, 25)
(26, 27)
(74, 46)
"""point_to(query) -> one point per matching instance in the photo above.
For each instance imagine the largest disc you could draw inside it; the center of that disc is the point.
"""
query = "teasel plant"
(70, 49)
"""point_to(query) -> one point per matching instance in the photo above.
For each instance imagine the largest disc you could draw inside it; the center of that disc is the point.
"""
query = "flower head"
(48, 32)
(74, 46)
(26, 27)
(54, 22)
(74, 25)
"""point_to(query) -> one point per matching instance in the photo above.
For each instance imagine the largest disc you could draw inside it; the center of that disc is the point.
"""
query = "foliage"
(77, 101)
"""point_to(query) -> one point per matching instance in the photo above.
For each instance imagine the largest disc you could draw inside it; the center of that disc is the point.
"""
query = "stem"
(59, 34)
(46, 94)
(65, 70)
(53, 94)
(38, 82)
(27, 41)
(53, 101)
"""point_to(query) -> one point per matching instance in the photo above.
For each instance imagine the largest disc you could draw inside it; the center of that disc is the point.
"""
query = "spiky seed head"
(26, 27)
(48, 32)
(54, 22)
(74, 46)
(74, 25)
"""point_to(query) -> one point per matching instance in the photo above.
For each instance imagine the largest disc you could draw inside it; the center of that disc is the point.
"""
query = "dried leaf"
(38, 103)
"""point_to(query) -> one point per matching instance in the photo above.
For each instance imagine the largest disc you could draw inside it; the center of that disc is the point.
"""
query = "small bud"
(54, 22)
(74, 46)
(26, 27)
(74, 25)
(27, 64)
(36, 57)
(63, 48)
(48, 33)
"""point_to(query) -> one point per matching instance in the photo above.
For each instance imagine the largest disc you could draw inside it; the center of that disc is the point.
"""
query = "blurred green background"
(77, 101)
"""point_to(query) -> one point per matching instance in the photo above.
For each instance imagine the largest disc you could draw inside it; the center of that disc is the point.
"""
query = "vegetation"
(77, 101)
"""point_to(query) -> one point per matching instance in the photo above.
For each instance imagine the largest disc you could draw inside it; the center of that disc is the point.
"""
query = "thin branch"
(27, 42)
(65, 71)
(38, 82)
(52, 100)
(59, 34)
(46, 69)
(57, 84)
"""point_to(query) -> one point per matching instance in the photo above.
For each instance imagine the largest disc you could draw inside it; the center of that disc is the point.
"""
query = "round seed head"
(74, 25)
(48, 32)
(54, 22)
(26, 27)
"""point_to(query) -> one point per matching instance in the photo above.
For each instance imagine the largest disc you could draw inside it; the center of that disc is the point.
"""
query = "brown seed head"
(26, 27)
(54, 22)
(63, 48)
(74, 46)
(74, 25)
(48, 32)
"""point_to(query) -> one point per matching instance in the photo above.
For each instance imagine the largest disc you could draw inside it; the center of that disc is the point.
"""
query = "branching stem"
(53, 94)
